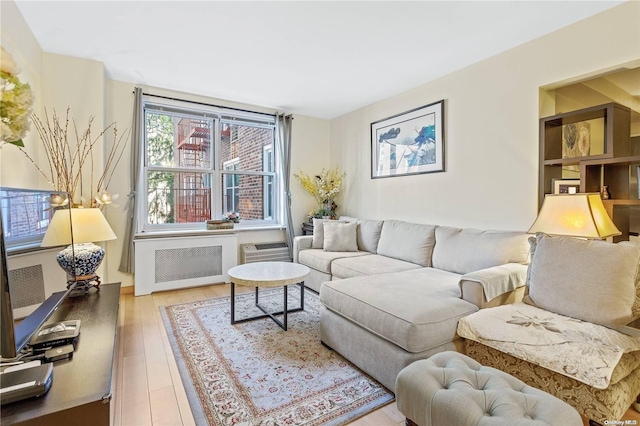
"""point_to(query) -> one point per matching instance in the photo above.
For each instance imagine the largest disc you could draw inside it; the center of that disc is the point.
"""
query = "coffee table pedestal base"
(272, 315)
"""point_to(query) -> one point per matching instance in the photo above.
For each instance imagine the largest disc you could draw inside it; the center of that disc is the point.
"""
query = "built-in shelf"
(605, 159)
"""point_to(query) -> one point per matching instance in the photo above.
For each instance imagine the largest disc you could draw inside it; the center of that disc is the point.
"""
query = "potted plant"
(324, 188)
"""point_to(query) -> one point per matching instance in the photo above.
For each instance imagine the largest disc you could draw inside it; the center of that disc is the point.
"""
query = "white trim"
(265, 191)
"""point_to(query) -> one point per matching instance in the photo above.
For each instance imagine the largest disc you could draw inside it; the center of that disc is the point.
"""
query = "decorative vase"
(604, 192)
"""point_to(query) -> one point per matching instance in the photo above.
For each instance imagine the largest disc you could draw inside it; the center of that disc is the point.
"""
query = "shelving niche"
(612, 159)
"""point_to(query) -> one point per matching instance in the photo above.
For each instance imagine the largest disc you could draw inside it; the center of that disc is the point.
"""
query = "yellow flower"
(323, 187)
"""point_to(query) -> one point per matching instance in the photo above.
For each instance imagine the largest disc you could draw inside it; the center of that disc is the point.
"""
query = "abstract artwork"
(576, 139)
(409, 143)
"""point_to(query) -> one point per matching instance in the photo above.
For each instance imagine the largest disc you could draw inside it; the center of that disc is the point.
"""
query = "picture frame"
(565, 186)
(409, 143)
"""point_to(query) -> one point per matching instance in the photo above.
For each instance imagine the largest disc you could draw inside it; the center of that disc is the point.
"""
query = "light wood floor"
(149, 390)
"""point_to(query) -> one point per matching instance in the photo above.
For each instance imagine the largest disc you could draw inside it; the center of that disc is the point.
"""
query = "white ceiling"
(316, 58)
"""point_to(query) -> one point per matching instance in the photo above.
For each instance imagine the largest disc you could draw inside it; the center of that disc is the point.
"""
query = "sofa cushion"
(318, 232)
(368, 234)
(416, 310)
(349, 267)
(467, 250)
(320, 260)
(411, 242)
(340, 236)
(591, 280)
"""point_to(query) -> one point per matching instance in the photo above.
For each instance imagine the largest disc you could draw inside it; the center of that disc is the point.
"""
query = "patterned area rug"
(255, 373)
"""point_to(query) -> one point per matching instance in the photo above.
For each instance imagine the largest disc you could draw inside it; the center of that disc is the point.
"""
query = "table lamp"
(81, 258)
(576, 215)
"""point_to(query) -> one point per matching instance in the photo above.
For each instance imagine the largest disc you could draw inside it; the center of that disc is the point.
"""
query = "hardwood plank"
(135, 406)
(375, 418)
(391, 410)
(136, 413)
(181, 395)
(157, 366)
(164, 407)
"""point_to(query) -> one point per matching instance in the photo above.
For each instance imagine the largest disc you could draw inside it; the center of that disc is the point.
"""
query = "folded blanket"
(498, 279)
(584, 351)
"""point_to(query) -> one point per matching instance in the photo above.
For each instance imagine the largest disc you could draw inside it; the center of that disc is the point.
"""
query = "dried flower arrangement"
(69, 155)
(324, 188)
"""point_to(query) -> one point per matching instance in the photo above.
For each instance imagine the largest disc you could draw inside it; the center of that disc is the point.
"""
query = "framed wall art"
(409, 143)
(565, 186)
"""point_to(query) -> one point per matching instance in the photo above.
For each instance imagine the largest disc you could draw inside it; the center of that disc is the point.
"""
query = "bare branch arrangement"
(68, 155)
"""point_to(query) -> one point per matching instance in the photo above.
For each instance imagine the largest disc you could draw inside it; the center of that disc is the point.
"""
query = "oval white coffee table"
(266, 275)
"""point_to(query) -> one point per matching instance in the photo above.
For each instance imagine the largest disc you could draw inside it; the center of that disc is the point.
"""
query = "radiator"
(264, 252)
(33, 277)
(179, 262)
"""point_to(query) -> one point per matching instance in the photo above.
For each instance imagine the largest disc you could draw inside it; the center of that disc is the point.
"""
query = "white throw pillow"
(340, 236)
(594, 281)
(318, 232)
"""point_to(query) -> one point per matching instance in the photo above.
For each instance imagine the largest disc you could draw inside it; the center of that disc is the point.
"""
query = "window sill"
(30, 249)
(204, 232)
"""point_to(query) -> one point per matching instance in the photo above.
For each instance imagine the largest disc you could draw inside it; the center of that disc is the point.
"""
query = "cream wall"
(492, 110)
(19, 42)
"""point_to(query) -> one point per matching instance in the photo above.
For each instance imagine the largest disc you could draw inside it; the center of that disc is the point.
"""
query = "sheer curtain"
(283, 139)
(127, 261)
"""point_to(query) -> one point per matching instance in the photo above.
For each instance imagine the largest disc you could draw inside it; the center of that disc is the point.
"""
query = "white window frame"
(228, 166)
(266, 151)
(216, 172)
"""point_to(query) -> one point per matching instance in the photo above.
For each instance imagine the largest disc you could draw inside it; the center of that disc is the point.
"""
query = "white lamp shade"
(89, 225)
(576, 215)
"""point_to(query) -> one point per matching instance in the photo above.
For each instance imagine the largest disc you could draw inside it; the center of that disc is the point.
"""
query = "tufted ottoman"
(451, 389)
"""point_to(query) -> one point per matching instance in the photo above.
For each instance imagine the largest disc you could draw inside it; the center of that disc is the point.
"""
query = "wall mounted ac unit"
(264, 252)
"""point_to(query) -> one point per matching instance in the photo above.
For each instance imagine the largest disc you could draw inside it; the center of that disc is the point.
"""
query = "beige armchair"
(569, 338)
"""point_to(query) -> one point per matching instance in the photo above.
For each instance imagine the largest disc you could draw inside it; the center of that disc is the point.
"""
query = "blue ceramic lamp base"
(81, 261)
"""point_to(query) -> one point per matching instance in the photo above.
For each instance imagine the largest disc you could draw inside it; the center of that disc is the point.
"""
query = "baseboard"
(126, 290)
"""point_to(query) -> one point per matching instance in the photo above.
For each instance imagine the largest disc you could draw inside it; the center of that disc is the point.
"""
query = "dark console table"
(82, 386)
(307, 228)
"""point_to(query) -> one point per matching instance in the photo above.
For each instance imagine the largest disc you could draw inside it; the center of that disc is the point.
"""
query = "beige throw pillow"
(318, 232)
(590, 280)
(340, 236)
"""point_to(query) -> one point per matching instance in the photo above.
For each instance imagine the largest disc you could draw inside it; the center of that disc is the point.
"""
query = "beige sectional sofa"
(396, 296)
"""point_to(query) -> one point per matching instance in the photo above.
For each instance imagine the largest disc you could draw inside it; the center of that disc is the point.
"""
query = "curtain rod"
(206, 104)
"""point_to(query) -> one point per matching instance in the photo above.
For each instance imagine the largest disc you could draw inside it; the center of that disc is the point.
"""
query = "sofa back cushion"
(368, 233)
(411, 242)
(593, 281)
(468, 250)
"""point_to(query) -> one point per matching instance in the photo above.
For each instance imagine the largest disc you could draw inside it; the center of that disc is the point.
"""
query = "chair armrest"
(494, 286)
(302, 242)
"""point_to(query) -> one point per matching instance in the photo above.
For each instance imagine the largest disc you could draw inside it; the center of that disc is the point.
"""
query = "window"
(201, 163)
(25, 215)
